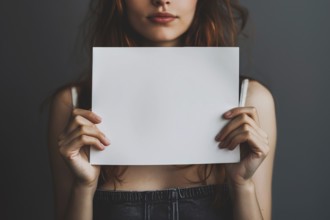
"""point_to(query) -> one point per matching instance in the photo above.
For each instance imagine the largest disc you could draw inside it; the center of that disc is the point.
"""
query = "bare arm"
(262, 99)
(60, 113)
(74, 179)
(254, 126)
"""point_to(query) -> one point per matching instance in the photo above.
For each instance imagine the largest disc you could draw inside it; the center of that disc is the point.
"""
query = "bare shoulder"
(62, 98)
(59, 116)
(262, 99)
(59, 113)
(259, 94)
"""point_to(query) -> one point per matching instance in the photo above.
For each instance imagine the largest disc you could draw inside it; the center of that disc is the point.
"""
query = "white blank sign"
(164, 105)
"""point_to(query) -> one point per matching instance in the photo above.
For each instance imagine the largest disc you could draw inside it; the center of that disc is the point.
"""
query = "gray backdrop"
(291, 52)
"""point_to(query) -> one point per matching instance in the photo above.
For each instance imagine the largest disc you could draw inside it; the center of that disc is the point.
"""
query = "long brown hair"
(216, 23)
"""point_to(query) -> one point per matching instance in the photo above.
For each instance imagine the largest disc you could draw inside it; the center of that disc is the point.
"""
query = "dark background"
(291, 51)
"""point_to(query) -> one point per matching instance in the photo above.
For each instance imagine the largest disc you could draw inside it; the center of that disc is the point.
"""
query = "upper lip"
(162, 14)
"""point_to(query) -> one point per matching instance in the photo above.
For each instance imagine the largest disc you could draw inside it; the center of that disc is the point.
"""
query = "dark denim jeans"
(194, 203)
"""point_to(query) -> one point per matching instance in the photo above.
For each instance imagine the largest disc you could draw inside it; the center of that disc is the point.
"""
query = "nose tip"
(161, 2)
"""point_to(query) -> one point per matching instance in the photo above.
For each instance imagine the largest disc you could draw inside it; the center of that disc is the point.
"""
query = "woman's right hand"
(80, 133)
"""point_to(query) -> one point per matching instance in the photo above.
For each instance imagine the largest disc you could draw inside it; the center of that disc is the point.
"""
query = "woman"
(84, 191)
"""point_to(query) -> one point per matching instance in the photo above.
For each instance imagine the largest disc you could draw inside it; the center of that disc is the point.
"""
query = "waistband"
(166, 194)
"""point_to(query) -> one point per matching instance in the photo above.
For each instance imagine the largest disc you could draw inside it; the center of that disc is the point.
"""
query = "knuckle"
(77, 119)
(84, 138)
(90, 114)
(101, 135)
(244, 117)
(88, 139)
(246, 127)
(261, 154)
(83, 129)
(94, 139)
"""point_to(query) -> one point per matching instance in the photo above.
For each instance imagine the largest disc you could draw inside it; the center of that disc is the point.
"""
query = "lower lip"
(162, 20)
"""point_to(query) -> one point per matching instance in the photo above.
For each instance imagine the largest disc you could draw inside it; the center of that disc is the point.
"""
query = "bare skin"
(71, 131)
(69, 183)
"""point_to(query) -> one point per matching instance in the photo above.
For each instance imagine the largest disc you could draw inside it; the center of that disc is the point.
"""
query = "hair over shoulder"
(216, 23)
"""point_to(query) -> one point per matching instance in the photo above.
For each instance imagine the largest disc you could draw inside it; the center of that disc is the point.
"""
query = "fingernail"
(107, 140)
(227, 114)
(218, 136)
(98, 118)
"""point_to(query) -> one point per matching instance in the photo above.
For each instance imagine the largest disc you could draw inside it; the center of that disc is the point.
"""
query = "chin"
(162, 37)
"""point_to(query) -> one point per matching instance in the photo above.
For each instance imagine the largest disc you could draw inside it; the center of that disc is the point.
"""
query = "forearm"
(245, 202)
(80, 204)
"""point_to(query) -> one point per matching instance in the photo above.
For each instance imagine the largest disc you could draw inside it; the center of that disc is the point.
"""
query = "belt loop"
(146, 206)
(175, 204)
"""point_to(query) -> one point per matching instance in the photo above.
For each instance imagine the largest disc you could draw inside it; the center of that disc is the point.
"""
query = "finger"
(89, 115)
(244, 128)
(80, 117)
(256, 146)
(86, 130)
(75, 145)
(250, 110)
(237, 122)
(78, 121)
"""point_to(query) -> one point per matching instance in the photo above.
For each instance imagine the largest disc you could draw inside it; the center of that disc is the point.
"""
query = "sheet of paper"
(164, 105)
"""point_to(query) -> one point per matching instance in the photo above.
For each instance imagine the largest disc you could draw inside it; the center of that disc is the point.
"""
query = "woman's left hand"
(243, 128)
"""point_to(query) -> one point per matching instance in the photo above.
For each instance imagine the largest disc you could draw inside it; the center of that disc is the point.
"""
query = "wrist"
(244, 187)
(84, 188)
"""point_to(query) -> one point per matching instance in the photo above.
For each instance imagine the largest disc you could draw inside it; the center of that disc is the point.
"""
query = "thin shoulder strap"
(244, 87)
(74, 95)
